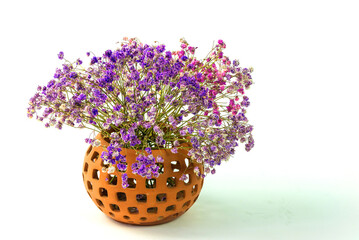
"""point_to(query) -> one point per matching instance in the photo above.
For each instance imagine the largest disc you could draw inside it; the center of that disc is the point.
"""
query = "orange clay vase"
(163, 200)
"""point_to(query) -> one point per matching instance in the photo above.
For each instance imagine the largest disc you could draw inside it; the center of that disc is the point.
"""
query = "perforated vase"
(153, 202)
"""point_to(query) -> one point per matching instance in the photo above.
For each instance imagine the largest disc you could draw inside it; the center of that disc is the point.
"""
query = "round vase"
(145, 201)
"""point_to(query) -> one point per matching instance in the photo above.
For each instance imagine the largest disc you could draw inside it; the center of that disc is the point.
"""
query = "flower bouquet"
(151, 105)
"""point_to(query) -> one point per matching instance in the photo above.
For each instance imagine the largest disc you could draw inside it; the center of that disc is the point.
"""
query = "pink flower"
(180, 53)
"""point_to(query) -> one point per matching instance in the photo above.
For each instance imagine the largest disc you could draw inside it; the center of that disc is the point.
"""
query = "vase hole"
(161, 168)
(126, 217)
(186, 204)
(103, 192)
(111, 214)
(151, 183)
(180, 195)
(187, 162)
(171, 182)
(121, 196)
(176, 166)
(160, 218)
(143, 218)
(194, 189)
(152, 210)
(162, 197)
(114, 207)
(132, 210)
(170, 208)
(89, 150)
(86, 167)
(131, 182)
(89, 185)
(195, 199)
(112, 179)
(141, 198)
(95, 156)
(99, 202)
(96, 174)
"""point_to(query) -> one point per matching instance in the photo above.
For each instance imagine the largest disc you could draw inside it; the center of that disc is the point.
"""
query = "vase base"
(159, 222)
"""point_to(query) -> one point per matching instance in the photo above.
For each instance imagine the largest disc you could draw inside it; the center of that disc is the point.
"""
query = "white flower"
(63, 107)
(129, 92)
(111, 169)
(96, 143)
(104, 169)
(114, 135)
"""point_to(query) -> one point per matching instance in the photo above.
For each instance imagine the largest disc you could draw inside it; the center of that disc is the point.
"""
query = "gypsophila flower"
(61, 55)
(159, 159)
(145, 97)
(96, 143)
(111, 169)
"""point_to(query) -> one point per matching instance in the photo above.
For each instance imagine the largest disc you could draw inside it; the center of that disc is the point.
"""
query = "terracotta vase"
(145, 201)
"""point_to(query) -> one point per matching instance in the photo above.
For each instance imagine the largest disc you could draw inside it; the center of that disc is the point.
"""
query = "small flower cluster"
(143, 97)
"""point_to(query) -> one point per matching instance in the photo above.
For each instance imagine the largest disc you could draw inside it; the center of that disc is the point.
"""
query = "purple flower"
(117, 107)
(159, 159)
(190, 130)
(73, 75)
(108, 53)
(81, 97)
(161, 48)
(148, 150)
(94, 60)
(61, 55)
(147, 125)
(157, 129)
(174, 150)
(150, 54)
(184, 177)
(122, 167)
(168, 55)
(124, 180)
(213, 148)
(94, 112)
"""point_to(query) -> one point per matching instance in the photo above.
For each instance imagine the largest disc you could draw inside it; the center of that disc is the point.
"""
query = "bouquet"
(145, 97)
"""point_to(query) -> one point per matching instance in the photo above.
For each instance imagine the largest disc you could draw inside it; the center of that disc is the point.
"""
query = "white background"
(299, 182)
